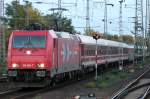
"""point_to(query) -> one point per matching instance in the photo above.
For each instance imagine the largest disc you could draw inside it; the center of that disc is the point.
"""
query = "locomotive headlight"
(28, 52)
(14, 65)
(42, 65)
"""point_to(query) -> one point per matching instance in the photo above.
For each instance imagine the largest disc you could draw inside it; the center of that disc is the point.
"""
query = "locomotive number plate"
(27, 65)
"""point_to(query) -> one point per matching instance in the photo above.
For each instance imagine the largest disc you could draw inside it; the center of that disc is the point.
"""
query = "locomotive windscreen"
(29, 42)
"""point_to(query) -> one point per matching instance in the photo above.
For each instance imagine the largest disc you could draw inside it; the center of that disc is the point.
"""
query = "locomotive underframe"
(28, 75)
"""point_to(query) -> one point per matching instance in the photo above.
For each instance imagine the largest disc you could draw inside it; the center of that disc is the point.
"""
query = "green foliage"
(108, 79)
(124, 38)
(128, 39)
(54, 21)
(115, 37)
(114, 72)
(3, 69)
(90, 85)
(25, 16)
(89, 32)
(111, 77)
(17, 15)
(147, 39)
(143, 63)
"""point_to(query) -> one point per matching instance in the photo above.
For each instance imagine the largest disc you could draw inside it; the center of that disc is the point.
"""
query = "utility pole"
(27, 11)
(139, 30)
(2, 33)
(59, 12)
(59, 6)
(120, 39)
(16, 13)
(148, 34)
(87, 16)
(147, 25)
(105, 19)
(105, 16)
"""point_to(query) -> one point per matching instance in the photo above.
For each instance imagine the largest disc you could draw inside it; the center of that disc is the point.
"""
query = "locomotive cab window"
(29, 42)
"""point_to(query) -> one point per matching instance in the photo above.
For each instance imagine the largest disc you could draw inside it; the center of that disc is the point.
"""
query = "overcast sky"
(78, 13)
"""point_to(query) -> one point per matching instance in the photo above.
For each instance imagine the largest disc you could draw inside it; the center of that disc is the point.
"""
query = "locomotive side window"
(29, 42)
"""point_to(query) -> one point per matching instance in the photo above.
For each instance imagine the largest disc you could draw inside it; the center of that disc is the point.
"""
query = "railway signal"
(96, 36)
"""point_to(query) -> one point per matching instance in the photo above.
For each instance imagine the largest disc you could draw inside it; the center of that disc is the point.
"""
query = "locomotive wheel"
(80, 75)
(53, 83)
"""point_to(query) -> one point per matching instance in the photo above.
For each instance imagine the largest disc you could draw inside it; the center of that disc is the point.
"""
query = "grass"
(3, 69)
(90, 84)
(109, 78)
(142, 63)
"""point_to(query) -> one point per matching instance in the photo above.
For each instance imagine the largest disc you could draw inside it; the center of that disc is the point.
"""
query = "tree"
(147, 41)
(54, 21)
(89, 32)
(115, 38)
(18, 16)
(128, 39)
(26, 17)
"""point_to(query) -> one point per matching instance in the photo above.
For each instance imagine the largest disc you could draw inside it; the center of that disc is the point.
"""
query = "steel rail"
(145, 93)
(9, 92)
(129, 85)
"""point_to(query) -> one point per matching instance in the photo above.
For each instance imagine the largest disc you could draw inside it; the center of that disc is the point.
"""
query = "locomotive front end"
(28, 57)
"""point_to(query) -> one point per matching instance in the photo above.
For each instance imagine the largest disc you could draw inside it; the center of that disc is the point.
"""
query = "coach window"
(107, 48)
(125, 51)
(116, 50)
(82, 52)
(85, 51)
(102, 50)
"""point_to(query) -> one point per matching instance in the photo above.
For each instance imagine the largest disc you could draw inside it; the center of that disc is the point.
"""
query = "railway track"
(7, 92)
(20, 93)
(137, 89)
(27, 92)
(3, 80)
(146, 93)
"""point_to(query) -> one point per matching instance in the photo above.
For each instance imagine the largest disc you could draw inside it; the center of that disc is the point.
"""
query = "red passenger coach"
(41, 56)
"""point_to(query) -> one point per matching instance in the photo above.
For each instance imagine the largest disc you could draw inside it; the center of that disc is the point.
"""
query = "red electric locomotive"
(39, 57)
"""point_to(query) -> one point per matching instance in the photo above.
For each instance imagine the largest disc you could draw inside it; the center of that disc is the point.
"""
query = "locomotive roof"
(57, 34)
